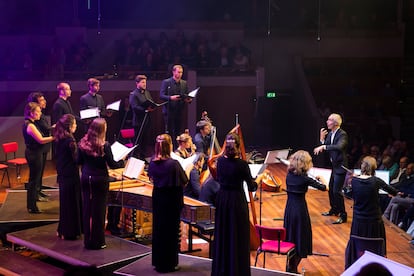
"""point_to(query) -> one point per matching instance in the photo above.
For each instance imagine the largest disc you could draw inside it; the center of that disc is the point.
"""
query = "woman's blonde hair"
(368, 165)
(300, 162)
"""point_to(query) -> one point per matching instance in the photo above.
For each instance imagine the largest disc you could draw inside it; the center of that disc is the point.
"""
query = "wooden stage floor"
(328, 239)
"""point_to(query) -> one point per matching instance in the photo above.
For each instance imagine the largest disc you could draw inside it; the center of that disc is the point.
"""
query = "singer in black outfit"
(367, 218)
(141, 104)
(175, 91)
(297, 221)
(231, 250)
(44, 127)
(70, 199)
(168, 178)
(95, 156)
(34, 141)
(335, 143)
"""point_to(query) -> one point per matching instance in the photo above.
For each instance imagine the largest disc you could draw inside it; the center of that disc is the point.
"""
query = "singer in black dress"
(168, 179)
(70, 199)
(297, 221)
(95, 156)
(231, 251)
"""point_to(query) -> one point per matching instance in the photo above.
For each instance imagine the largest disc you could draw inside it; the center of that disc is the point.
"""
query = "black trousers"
(336, 197)
(35, 162)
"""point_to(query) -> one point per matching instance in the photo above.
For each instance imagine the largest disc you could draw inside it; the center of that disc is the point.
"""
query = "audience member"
(404, 198)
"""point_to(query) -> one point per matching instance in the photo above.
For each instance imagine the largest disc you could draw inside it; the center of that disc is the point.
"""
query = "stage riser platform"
(44, 240)
(189, 266)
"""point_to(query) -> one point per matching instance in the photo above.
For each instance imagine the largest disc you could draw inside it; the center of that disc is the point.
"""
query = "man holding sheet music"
(335, 143)
(141, 104)
(93, 99)
(175, 91)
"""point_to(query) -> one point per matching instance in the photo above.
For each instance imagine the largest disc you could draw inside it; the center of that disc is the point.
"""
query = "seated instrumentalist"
(192, 189)
(202, 139)
(185, 148)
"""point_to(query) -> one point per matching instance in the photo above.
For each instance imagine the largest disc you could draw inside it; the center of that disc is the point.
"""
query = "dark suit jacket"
(169, 88)
(60, 108)
(139, 103)
(337, 150)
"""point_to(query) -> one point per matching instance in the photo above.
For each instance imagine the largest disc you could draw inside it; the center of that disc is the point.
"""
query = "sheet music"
(134, 168)
(275, 156)
(193, 93)
(114, 106)
(119, 151)
(184, 162)
(89, 113)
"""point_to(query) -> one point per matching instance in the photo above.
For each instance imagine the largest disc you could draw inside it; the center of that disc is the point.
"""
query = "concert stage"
(119, 252)
(189, 266)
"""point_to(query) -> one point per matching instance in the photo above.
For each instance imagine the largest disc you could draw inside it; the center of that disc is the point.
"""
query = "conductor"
(335, 143)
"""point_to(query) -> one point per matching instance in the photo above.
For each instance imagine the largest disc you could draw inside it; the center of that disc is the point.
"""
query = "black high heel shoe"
(34, 211)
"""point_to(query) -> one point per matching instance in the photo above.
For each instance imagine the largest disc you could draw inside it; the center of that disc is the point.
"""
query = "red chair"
(273, 241)
(4, 168)
(128, 134)
(11, 148)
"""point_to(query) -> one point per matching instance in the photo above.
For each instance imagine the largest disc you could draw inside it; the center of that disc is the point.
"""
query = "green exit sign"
(271, 95)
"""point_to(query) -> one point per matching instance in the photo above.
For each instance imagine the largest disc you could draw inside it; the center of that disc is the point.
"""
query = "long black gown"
(297, 221)
(169, 179)
(70, 199)
(231, 251)
(367, 216)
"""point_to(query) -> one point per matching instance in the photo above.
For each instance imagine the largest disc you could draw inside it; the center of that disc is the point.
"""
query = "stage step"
(13, 263)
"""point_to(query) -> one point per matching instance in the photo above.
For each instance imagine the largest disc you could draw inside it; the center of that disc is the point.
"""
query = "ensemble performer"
(168, 178)
(70, 200)
(175, 91)
(34, 141)
(193, 187)
(93, 99)
(44, 127)
(62, 106)
(95, 156)
(185, 148)
(296, 220)
(367, 218)
(141, 104)
(231, 250)
(335, 143)
(90, 100)
(202, 139)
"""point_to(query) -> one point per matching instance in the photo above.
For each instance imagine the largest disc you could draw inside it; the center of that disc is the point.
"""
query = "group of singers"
(83, 198)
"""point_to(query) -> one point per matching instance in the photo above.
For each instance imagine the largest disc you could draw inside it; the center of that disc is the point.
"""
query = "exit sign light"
(271, 95)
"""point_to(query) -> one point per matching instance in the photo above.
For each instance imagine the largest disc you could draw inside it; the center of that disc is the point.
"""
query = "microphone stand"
(137, 140)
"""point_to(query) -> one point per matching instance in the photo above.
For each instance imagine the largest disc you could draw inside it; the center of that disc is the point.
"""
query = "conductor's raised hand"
(323, 133)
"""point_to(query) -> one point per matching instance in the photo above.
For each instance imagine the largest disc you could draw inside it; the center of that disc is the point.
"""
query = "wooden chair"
(11, 148)
(272, 240)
